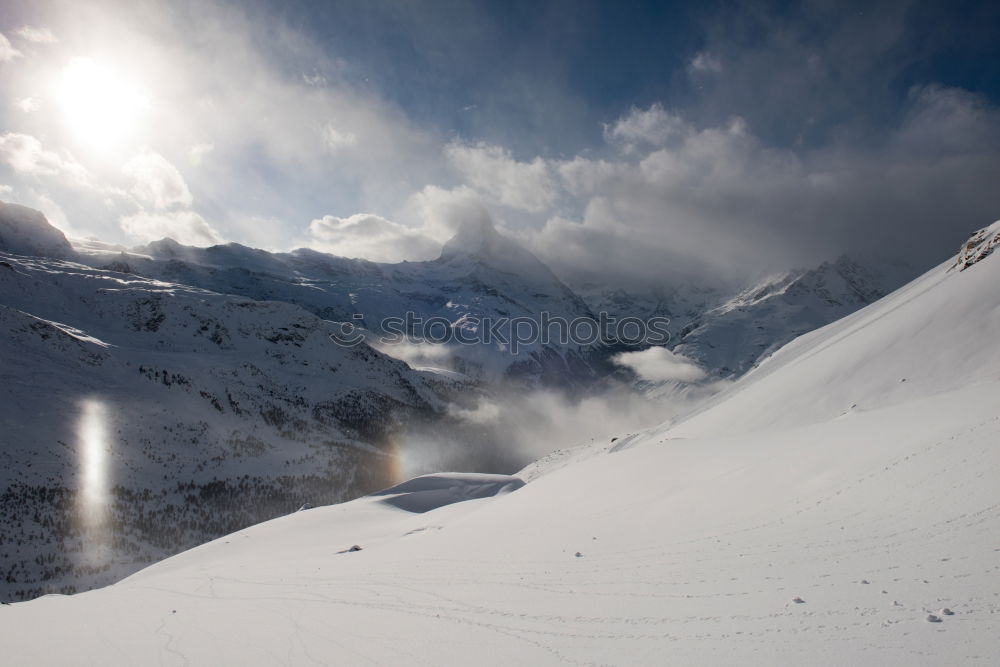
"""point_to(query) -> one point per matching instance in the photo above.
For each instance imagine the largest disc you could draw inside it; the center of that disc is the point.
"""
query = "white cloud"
(371, 237)
(582, 176)
(442, 211)
(528, 186)
(705, 63)
(651, 127)
(198, 152)
(186, 227)
(314, 79)
(164, 200)
(5, 189)
(336, 139)
(53, 212)
(156, 182)
(37, 35)
(658, 364)
(25, 154)
(416, 354)
(485, 412)
(26, 104)
(7, 51)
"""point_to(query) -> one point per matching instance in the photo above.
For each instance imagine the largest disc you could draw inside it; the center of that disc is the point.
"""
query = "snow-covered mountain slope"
(188, 413)
(730, 338)
(727, 330)
(931, 336)
(777, 526)
(681, 303)
(481, 276)
(25, 231)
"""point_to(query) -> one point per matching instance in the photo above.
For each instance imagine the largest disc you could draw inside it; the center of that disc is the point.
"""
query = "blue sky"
(628, 142)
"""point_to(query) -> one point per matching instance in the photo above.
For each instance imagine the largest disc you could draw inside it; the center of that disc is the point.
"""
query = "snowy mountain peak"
(847, 281)
(478, 240)
(165, 248)
(843, 281)
(733, 336)
(25, 231)
(474, 237)
(979, 246)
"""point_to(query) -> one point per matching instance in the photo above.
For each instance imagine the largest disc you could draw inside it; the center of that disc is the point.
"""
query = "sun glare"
(102, 107)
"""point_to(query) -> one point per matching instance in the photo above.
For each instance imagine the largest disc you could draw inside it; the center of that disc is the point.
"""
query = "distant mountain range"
(482, 275)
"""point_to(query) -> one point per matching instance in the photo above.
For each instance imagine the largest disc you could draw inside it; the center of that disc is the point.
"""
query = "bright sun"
(102, 108)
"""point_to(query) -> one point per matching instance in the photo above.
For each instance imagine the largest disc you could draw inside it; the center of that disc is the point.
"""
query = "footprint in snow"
(798, 600)
(933, 618)
(946, 612)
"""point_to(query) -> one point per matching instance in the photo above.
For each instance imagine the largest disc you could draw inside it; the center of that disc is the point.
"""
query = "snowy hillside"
(837, 506)
(197, 414)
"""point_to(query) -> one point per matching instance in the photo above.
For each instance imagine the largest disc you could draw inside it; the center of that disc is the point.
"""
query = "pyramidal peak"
(479, 240)
(474, 237)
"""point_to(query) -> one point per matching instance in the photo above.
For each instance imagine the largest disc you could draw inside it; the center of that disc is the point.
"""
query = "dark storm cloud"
(817, 71)
(719, 201)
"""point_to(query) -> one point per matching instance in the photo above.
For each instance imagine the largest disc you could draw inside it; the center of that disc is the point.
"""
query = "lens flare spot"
(93, 494)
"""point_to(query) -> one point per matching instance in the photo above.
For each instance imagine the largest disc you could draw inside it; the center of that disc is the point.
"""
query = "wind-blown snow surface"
(818, 513)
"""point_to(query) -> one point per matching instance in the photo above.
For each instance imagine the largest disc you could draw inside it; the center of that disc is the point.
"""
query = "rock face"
(25, 231)
(979, 246)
